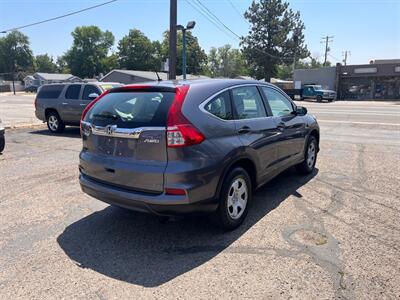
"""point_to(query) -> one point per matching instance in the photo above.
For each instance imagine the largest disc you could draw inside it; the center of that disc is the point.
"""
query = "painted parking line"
(358, 122)
(388, 114)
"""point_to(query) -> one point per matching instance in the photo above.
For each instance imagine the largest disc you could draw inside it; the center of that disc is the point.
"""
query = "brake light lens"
(180, 132)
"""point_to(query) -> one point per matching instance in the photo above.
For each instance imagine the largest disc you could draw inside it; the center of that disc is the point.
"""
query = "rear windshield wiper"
(106, 115)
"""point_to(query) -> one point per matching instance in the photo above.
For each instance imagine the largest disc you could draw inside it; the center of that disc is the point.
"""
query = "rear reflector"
(180, 132)
(175, 192)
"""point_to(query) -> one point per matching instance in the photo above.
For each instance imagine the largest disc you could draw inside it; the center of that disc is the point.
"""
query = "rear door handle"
(244, 129)
(83, 104)
(64, 103)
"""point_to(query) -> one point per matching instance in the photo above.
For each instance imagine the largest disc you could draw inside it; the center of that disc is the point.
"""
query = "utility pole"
(345, 54)
(173, 12)
(326, 40)
(14, 68)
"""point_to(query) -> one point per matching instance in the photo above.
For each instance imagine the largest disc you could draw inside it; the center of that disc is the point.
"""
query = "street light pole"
(190, 25)
(184, 53)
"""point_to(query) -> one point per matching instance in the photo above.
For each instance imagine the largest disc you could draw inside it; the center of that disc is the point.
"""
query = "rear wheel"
(234, 199)
(319, 98)
(54, 122)
(310, 157)
(2, 143)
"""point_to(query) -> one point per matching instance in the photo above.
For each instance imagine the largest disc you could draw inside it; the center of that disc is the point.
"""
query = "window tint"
(89, 89)
(50, 91)
(280, 105)
(220, 106)
(248, 102)
(73, 92)
(131, 109)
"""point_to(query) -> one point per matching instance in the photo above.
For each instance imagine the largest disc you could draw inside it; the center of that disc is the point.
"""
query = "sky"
(369, 29)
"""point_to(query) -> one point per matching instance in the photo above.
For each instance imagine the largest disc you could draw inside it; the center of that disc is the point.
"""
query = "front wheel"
(310, 157)
(319, 98)
(234, 199)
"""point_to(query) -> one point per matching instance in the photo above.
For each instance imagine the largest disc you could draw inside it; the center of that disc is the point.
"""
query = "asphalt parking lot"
(331, 235)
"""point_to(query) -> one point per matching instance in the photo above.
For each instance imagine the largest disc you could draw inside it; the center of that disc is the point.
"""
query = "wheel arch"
(243, 162)
(48, 110)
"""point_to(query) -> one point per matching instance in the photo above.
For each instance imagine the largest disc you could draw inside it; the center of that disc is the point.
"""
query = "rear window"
(131, 109)
(50, 91)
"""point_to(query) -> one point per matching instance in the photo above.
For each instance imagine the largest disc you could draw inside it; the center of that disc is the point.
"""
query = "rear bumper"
(39, 113)
(157, 204)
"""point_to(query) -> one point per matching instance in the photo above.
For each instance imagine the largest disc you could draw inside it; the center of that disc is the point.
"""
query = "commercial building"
(380, 79)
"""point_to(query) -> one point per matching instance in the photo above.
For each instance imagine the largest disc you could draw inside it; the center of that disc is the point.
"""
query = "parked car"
(2, 139)
(318, 93)
(62, 104)
(192, 146)
(31, 89)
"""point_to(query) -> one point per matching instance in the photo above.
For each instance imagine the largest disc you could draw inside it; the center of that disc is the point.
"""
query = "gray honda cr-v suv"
(192, 146)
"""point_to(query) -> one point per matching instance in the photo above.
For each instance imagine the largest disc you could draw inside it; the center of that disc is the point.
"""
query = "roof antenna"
(158, 77)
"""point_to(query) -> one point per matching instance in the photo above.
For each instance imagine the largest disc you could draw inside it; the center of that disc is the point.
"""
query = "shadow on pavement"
(73, 132)
(137, 248)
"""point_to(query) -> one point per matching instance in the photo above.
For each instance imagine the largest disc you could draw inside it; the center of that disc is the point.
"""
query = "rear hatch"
(124, 138)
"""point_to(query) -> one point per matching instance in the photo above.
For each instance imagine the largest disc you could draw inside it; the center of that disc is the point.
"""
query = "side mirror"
(93, 96)
(301, 111)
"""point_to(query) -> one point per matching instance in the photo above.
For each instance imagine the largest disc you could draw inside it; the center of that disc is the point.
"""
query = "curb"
(23, 126)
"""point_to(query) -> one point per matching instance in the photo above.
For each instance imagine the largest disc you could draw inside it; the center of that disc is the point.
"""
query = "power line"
(205, 15)
(59, 17)
(209, 15)
(217, 19)
(238, 12)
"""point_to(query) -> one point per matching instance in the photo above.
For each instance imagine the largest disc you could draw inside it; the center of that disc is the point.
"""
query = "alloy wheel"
(237, 198)
(311, 155)
(53, 123)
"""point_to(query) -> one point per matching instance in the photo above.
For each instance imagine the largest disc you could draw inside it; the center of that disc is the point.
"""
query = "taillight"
(180, 132)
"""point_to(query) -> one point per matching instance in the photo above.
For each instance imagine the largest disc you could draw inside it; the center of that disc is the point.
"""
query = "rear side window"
(131, 109)
(50, 91)
(73, 92)
(220, 106)
(248, 103)
(90, 89)
(280, 105)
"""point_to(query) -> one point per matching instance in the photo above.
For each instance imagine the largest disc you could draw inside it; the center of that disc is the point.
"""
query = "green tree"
(44, 63)
(226, 62)
(62, 66)
(110, 63)
(137, 52)
(196, 58)
(15, 55)
(276, 37)
(89, 50)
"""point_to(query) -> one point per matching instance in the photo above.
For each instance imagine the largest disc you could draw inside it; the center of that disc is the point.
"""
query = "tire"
(54, 122)
(2, 143)
(310, 157)
(234, 199)
(319, 98)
